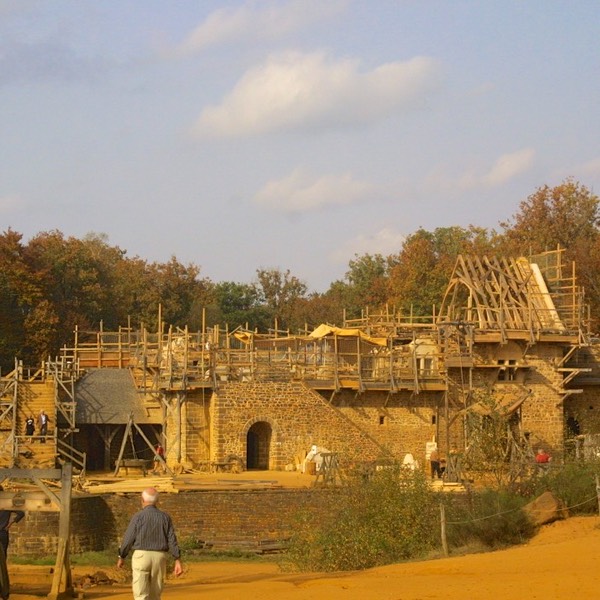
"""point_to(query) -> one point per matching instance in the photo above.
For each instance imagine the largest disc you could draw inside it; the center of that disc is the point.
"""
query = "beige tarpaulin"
(324, 330)
(320, 332)
(244, 336)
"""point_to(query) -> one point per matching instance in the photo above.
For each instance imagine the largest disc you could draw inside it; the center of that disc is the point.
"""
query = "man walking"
(43, 425)
(152, 537)
(7, 518)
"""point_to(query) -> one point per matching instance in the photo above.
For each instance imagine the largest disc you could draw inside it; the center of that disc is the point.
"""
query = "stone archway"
(258, 446)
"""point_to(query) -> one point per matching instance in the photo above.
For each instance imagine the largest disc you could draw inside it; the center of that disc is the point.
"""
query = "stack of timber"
(173, 485)
(126, 486)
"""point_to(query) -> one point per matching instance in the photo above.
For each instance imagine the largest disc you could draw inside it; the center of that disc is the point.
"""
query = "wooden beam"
(62, 583)
(51, 495)
(151, 446)
(30, 473)
(122, 450)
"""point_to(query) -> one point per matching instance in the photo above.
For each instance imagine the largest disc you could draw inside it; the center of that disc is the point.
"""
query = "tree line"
(53, 283)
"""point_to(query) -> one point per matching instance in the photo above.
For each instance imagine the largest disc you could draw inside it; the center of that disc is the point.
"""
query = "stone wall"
(584, 410)
(197, 425)
(372, 424)
(542, 413)
(534, 377)
(359, 427)
(399, 423)
(36, 534)
(221, 519)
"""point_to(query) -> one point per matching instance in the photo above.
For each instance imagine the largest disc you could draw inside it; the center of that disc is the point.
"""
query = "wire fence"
(513, 510)
(444, 524)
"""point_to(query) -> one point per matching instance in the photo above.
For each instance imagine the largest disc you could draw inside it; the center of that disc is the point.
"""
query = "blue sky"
(291, 133)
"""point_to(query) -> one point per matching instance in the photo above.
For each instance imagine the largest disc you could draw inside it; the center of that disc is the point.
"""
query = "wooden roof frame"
(501, 294)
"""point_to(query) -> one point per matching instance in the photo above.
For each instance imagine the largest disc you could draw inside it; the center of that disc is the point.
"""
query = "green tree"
(367, 283)
(174, 286)
(111, 283)
(281, 293)
(238, 304)
(496, 453)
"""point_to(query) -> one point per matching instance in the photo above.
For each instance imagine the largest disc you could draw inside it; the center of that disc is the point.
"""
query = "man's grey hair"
(150, 498)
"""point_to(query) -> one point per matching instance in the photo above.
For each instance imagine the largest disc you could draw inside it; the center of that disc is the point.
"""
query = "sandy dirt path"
(562, 561)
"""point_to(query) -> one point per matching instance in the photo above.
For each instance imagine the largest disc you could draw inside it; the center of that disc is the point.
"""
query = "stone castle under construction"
(514, 332)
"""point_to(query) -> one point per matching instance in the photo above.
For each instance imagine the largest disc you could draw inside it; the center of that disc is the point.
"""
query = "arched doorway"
(258, 445)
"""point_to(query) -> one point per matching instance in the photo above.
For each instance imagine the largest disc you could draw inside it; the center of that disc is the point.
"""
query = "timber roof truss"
(505, 294)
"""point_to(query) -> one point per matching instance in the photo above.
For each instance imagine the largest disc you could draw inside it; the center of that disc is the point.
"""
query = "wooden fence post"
(443, 529)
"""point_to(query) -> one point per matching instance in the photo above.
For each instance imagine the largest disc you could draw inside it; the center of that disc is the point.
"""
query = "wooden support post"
(170, 354)
(120, 457)
(107, 437)
(359, 364)
(150, 445)
(178, 400)
(62, 583)
(185, 358)
(335, 362)
(120, 346)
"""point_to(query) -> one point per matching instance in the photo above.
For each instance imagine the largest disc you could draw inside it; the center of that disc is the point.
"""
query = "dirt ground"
(562, 561)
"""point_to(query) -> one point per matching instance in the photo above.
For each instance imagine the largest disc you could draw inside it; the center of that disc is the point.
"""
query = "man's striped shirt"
(150, 529)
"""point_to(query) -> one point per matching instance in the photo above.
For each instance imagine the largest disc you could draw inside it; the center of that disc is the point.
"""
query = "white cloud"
(504, 168)
(294, 91)
(302, 192)
(257, 20)
(385, 241)
(509, 166)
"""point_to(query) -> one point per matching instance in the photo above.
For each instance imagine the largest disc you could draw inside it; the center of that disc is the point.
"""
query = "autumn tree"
(19, 295)
(70, 280)
(112, 279)
(425, 263)
(175, 286)
(567, 215)
(55, 283)
(326, 307)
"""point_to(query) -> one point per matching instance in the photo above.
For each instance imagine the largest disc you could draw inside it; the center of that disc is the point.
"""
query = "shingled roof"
(109, 396)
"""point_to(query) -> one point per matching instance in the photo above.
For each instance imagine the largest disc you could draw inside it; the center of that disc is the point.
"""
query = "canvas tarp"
(326, 330)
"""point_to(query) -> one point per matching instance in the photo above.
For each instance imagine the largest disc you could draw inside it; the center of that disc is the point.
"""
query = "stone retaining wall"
(219, 519)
